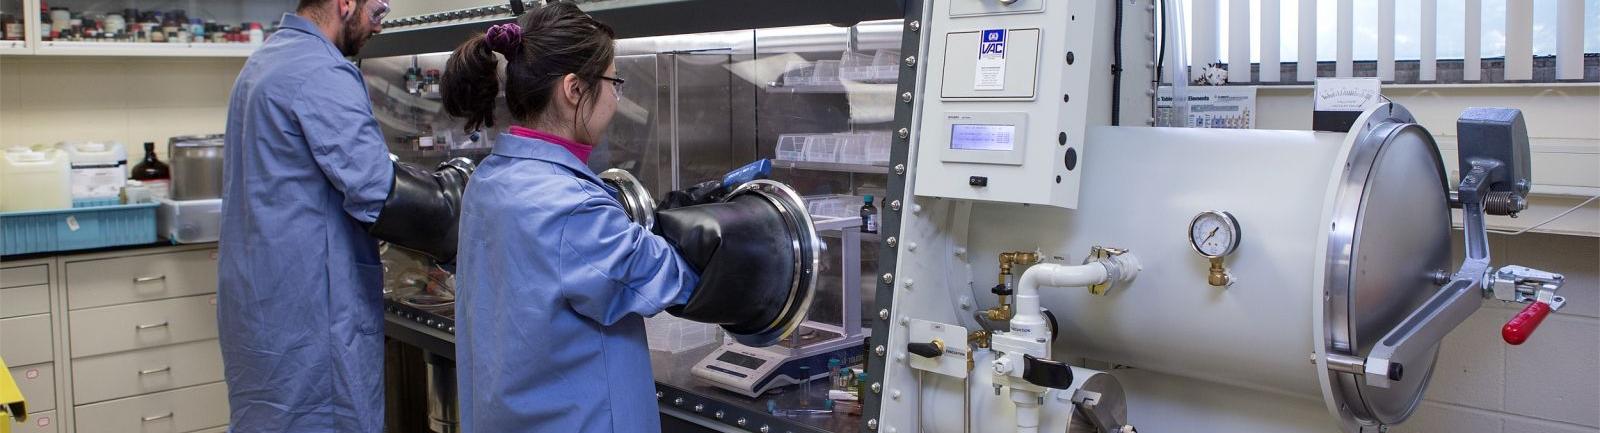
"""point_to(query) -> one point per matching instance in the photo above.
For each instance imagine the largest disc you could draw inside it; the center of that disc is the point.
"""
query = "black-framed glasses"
(618, 82)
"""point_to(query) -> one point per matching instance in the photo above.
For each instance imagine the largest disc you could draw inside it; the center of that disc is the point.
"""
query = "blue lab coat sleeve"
(613, 267)
(345, 140)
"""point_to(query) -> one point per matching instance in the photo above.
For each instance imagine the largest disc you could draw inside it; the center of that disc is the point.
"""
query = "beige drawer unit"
(177, 411)
(222, 429)
(98, 331)
(41, 422)
(103, 282)
(24, 301)
(38, 385)
(26, 340)
(127, 374)
(19, 276)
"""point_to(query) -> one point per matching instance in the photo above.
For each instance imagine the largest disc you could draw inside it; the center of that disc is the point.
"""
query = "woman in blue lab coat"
(554, 278)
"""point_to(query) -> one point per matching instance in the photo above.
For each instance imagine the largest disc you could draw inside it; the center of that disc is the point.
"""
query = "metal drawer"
(38, 422)
(145, 371)
(25, 300)
(99, 331)
(98, 283)
(176, 411)
(24, 276)
(38, 385)
(26, 340)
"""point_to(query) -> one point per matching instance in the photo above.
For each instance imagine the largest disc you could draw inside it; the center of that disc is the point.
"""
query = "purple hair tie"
(505, 39)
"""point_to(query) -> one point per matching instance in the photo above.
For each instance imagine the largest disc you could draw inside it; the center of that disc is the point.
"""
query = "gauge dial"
(1214, 233)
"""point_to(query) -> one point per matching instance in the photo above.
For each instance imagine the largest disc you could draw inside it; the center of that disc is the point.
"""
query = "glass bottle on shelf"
(44, 24)
(257, 36)
(869, 216)
(154, 173)
(11, 27)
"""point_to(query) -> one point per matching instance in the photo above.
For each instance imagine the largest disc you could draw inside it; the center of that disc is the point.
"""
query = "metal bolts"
(765, 429)
(699, 408)
(877, 387)
(880, 350)
(905, 97)
(899, 169)
(658, 395)
(911, 61)
(888, 278)
(904, 133)
(892, 241)
(677, 401)
(915, 25)
(895, 205)
(717, 415)
(872, 424)
(883, 314)
(741, 422)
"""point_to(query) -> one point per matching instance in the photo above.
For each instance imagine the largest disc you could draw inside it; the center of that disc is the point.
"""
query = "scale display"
(983, 137)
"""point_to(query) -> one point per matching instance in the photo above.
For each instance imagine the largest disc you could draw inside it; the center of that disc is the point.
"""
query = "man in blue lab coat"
(308, 184)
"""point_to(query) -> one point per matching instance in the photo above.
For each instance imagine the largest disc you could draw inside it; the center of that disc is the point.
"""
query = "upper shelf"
(139, 49)
(633, 18)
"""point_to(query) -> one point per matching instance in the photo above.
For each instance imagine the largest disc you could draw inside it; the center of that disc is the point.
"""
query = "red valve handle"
(1522, 325)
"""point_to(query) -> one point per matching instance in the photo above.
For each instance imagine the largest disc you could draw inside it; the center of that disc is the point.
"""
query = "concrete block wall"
(1551, 384)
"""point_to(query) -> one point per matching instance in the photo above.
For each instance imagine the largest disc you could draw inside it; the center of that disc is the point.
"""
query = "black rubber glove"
(423, 208)
(712, 191)
(742, 249)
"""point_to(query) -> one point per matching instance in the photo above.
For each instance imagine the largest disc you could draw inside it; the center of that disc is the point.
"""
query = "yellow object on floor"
(11, 401)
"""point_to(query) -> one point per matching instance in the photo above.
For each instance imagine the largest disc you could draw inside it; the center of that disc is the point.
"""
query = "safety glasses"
(617, 82)
(379, 9)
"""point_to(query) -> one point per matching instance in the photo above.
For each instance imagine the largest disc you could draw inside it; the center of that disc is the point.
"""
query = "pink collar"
(578, 149)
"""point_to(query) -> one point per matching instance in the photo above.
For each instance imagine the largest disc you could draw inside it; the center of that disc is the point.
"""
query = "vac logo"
(990, 73)
(994, 44)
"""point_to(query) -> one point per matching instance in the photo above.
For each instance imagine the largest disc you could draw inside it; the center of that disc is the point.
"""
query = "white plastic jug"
(31, 180)
(99, 170)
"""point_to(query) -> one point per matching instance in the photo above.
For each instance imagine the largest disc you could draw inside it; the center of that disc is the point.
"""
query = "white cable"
(1547, 221)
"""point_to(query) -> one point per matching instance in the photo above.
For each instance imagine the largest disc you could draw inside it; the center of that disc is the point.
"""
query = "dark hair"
(557, 39)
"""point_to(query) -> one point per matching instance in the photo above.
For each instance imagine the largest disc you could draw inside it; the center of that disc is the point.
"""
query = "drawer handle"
(158, 370)
(157, 417)
(150, 326)
(142, 280)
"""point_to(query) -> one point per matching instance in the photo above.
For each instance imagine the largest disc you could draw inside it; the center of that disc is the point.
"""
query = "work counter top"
(680, 395)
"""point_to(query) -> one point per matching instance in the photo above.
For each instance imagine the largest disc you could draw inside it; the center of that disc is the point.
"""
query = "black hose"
(1116, 69)
(1161, 59)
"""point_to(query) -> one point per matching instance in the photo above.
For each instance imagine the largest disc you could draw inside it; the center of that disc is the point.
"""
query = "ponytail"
(470, 83)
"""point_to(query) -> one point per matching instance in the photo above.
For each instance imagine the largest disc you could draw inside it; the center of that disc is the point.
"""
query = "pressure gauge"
(1214, 234)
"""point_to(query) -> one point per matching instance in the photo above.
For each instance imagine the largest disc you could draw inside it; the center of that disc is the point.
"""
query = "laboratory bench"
(687, 404)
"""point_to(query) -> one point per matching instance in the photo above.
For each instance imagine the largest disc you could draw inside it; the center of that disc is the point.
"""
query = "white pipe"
(1029, 319)
(1027, 410)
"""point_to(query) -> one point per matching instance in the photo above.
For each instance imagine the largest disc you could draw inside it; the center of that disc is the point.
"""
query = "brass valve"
(979, 338)
(1219, 275)
(1008, 260)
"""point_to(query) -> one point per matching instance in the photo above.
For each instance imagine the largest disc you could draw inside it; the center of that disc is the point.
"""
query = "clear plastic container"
(834, 206)
(823, 148)
(99, 171)
(666, 333)
(791, 147)
(190, 221)
(34, 180)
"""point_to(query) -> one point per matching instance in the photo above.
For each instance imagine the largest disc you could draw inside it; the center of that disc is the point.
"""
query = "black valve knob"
(1046, 373)
(1396, 371)
(931, 349)
(1002, 290)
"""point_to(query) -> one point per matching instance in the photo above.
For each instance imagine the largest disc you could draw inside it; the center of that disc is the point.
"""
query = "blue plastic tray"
(77, 228)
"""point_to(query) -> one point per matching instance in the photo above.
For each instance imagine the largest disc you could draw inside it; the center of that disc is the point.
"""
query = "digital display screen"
(983, 137)
(741, 360)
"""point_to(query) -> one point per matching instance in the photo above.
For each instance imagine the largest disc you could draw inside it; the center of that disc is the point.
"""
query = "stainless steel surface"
(1390, 232)
(196, 166)
(636, 200)
(444, 412)
(807, 252)
(1110, 406)
(674, 371)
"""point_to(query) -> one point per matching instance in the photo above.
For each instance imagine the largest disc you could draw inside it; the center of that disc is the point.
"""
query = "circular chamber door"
(806, 248)
(1390, 235)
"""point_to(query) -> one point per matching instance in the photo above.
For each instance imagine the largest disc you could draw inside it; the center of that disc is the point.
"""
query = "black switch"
(978, 181)
(932, 349)
(1046, 373)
